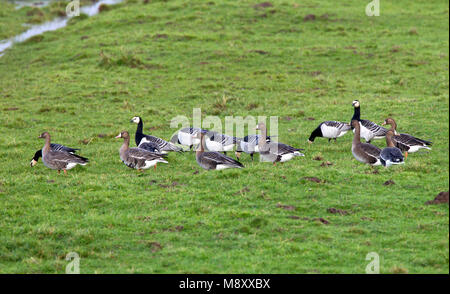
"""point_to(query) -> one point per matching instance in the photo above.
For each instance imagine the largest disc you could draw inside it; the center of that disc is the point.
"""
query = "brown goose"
(59, 160)
(137, 158)
(213, 160)
(391, 154)
(275, 151)
(55, 147)
(364, 152)
(406, 142)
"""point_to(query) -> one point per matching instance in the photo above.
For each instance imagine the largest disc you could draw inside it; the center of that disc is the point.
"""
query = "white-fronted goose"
(406, 142)
(330, 129)
(141, 138)
(137, 158)
(219, 142)
(369, 130)
(391, 154)
(59, 160)
(54, 147)
(249, 145)
(364, 152)
(275, 151)
(213, 160)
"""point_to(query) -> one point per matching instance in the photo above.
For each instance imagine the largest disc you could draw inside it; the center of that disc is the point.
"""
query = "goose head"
(136, 119)
(123, 134)
(260, 126)
(355, 103)
(44, 135)
(388, 121)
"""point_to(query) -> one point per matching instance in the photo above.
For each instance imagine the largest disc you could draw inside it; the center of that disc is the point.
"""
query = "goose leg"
(190, 147)
(406, 155)
(334, 139)
(238, 155)
(251, 155)
(65, 172)
(329, 139)
(225, 153)
(154, 167)
(59, 171)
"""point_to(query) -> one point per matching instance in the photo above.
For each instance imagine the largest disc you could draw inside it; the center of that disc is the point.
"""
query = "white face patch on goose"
(355, 103)
(135, 120)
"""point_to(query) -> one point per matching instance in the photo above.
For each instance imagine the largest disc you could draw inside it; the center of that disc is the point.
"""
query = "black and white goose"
(54, 147)
(137, 158)
(364, 152)
(369, 130)
(249, 145)
(275, 151)
(187, 136)
(391, 154)
(406, 142)
(213, 160)
(59, 160)
(330, 129)
(141, 139)
(219, 142)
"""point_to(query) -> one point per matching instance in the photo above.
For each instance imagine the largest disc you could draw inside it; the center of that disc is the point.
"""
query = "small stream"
(52, 25)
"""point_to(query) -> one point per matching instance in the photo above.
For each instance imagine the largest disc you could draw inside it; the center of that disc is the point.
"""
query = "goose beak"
(131, 121)
(118, 136)
(384, 123)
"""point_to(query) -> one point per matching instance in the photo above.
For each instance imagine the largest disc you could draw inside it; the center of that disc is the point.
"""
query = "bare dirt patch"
(439, 199)
(337, 211)
(309, 17)
(313, 179)
(287, 207)
(389, 182)
(263, 5)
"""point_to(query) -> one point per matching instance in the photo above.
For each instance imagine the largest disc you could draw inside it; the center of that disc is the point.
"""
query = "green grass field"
(84, 83)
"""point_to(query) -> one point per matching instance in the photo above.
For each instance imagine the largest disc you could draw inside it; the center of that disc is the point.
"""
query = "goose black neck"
(357, 114)
(139, 135)
(140, 126)
(316, 133)
(37, 155)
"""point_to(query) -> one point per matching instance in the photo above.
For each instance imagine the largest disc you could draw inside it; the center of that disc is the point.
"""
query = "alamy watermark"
(73, 267)
(373, 267)
(373, 8)
(73, 8)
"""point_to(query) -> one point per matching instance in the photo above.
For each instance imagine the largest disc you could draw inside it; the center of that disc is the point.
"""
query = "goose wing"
(59, 147)
(162, 144)
(371, 150)
(338, 125)
(61, 156)
(223, 139)
(150, 146)
(377, 130)
(281, 149)
(139, 153)
(219, 158)
(404, 141)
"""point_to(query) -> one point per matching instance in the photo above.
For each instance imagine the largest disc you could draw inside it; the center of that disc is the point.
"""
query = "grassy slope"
(161, 60)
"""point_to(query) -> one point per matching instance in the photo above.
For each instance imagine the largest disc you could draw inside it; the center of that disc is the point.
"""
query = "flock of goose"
(152, 150)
